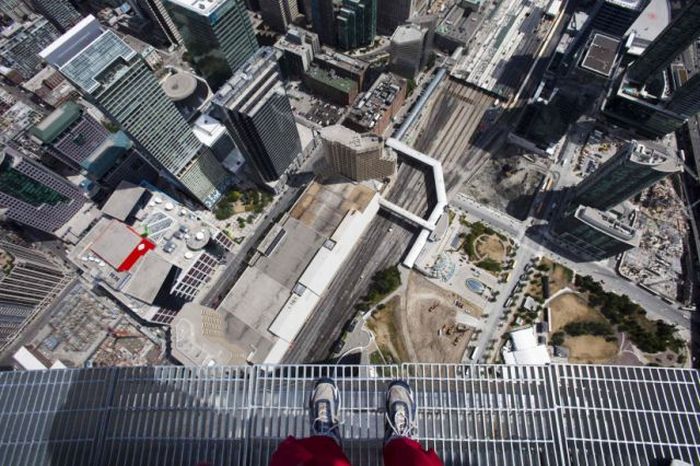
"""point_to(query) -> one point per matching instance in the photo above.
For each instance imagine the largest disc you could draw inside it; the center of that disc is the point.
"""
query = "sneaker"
(400, 412)
(324, 406)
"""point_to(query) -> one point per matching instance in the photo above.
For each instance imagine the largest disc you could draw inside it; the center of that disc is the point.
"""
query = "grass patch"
(490, 265)
(384, 325)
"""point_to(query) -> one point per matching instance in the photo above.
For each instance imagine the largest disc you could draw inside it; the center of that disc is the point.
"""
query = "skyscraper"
(61, 13)
(407, 50)
(393, 13)
(117, 80)
(217, 33)
(279, 14)
(356, 23)
(357, 156)
(28, 282)
(17, 10)
(259, 116)
(686, 99)
(323, 21)
(616, 16)
(634, 167)
(159, 16)
(672, 41)
(33, 195)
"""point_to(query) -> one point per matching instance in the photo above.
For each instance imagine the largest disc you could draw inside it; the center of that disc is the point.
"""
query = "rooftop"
(57, 122)
(601, 54)
(202, 7)
(179, 86)
(653, 153)
(479, 415)
(609, 224)
(331, 79)
(123, 200)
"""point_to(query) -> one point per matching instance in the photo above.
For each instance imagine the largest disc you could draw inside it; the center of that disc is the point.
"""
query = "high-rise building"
(299, 47)
(160, 17)
(356, 23)
(635, 167)
(16, 10)
(672, 41)
(21, 43)
(33, 195)
(61, 13)
(117, 80)
(29, 281)
(323, 21)
(357, 156)
(407, 50)
(73, 137)
(279, 14)
(594, 234)
(686, 99)
(218, 35)
(616, 16)
(393, 13)
(259, 116)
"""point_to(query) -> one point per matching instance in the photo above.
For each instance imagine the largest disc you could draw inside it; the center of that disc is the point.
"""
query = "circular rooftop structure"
(180, 86)
(198, 240)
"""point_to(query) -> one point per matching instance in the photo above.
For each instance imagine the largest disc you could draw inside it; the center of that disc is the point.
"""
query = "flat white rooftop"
(202, 7)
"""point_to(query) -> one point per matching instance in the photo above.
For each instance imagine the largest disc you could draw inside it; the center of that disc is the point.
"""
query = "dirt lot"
(570, 308)
(559, 276)
(385, 326)
(420, 326)
(491, 246)
(590, 349)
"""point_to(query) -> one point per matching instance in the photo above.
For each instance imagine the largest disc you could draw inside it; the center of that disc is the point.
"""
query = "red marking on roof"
(139, 251)
(651, 15)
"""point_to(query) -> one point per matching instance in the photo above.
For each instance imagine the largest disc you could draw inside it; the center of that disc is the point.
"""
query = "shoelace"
(323, 422)
(400, 424)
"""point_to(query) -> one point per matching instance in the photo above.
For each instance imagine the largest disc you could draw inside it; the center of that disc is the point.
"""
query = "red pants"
(323, 451)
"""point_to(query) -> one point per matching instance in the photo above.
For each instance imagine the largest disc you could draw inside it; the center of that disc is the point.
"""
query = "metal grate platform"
(471, 414)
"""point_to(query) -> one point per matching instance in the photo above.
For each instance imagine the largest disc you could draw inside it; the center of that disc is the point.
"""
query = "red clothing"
(323, 451)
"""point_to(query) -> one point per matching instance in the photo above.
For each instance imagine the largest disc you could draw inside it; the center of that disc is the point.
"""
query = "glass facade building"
(217, 33)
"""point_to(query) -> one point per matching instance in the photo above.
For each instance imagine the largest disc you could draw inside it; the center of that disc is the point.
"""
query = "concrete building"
(344, 66)
(21, 43)
(29, 281)
(217, 33)
(279, 14)
(595, 235)
(213, 134)
(109, 73)
(523, 349)
(356, 156)
(61, 13)
(299, 48)
(635, 167)
(259, 117)
(16, 10)
(323, 20)
(288, 273)
(599, 59)
(615, 17)
(407, 50)
(33, 195)
(330, 86)
(74, 138)
(455, 29)
(393, 13)
(373, 111)
(686, 99)
(356, 23)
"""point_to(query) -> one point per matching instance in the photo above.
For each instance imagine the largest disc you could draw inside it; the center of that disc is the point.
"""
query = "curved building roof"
(180, 86)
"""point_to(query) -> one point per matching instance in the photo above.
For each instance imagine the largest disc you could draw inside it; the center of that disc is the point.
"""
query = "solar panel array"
(470, 414)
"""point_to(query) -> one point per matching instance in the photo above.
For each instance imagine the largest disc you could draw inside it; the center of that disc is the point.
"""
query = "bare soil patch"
(590, 349)
(385, 325)
(571, 308)
(492, 247)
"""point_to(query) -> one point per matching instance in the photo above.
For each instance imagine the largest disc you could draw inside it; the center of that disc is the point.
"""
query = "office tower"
(160, 17)
(16, 10)
(616, 16)
(116, 79)
(279, 14)
(356, 23)
(21, 44)
(635, 167)
(33, 195)
(393, 13)
(686, 99)
(218, 35)
(407, 50)
(357, 156)
(672, 41)
(73, 137)
(595, 234)
(61, 13)
(29, 281)
(323, 21)
(299, 47)
(259, 116)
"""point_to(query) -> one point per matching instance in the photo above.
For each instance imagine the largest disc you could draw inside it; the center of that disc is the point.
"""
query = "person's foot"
(324, 407)
(400, 412)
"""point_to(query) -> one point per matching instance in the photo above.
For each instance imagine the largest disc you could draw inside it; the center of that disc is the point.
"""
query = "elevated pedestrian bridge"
(470, 414)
